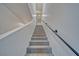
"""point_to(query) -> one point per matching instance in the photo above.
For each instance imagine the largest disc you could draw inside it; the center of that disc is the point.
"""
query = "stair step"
(39, 37)
(39, 34)
(42, 46)
(39, 43)
(39, 54)
(39, 50)
(39, 31)
(39, 40)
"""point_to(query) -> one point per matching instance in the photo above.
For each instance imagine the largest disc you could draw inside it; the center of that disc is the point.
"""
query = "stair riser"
(38, 43)
(36, 50)
(43, 35)
(39, 38)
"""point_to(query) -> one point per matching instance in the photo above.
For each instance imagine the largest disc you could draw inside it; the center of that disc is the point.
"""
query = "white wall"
(64, 18)
(58, 47)
(16, 43)
(13, 17)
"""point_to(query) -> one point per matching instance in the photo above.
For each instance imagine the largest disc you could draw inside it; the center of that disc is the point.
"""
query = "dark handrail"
(62, 40)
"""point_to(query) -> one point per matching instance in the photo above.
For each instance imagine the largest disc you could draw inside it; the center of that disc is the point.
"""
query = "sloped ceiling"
(20, 10)
(13, 14)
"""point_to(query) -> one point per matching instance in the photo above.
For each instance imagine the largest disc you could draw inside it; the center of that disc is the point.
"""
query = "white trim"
(14, 30)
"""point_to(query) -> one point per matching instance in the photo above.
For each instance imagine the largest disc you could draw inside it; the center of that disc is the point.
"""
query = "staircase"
(39, 44)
